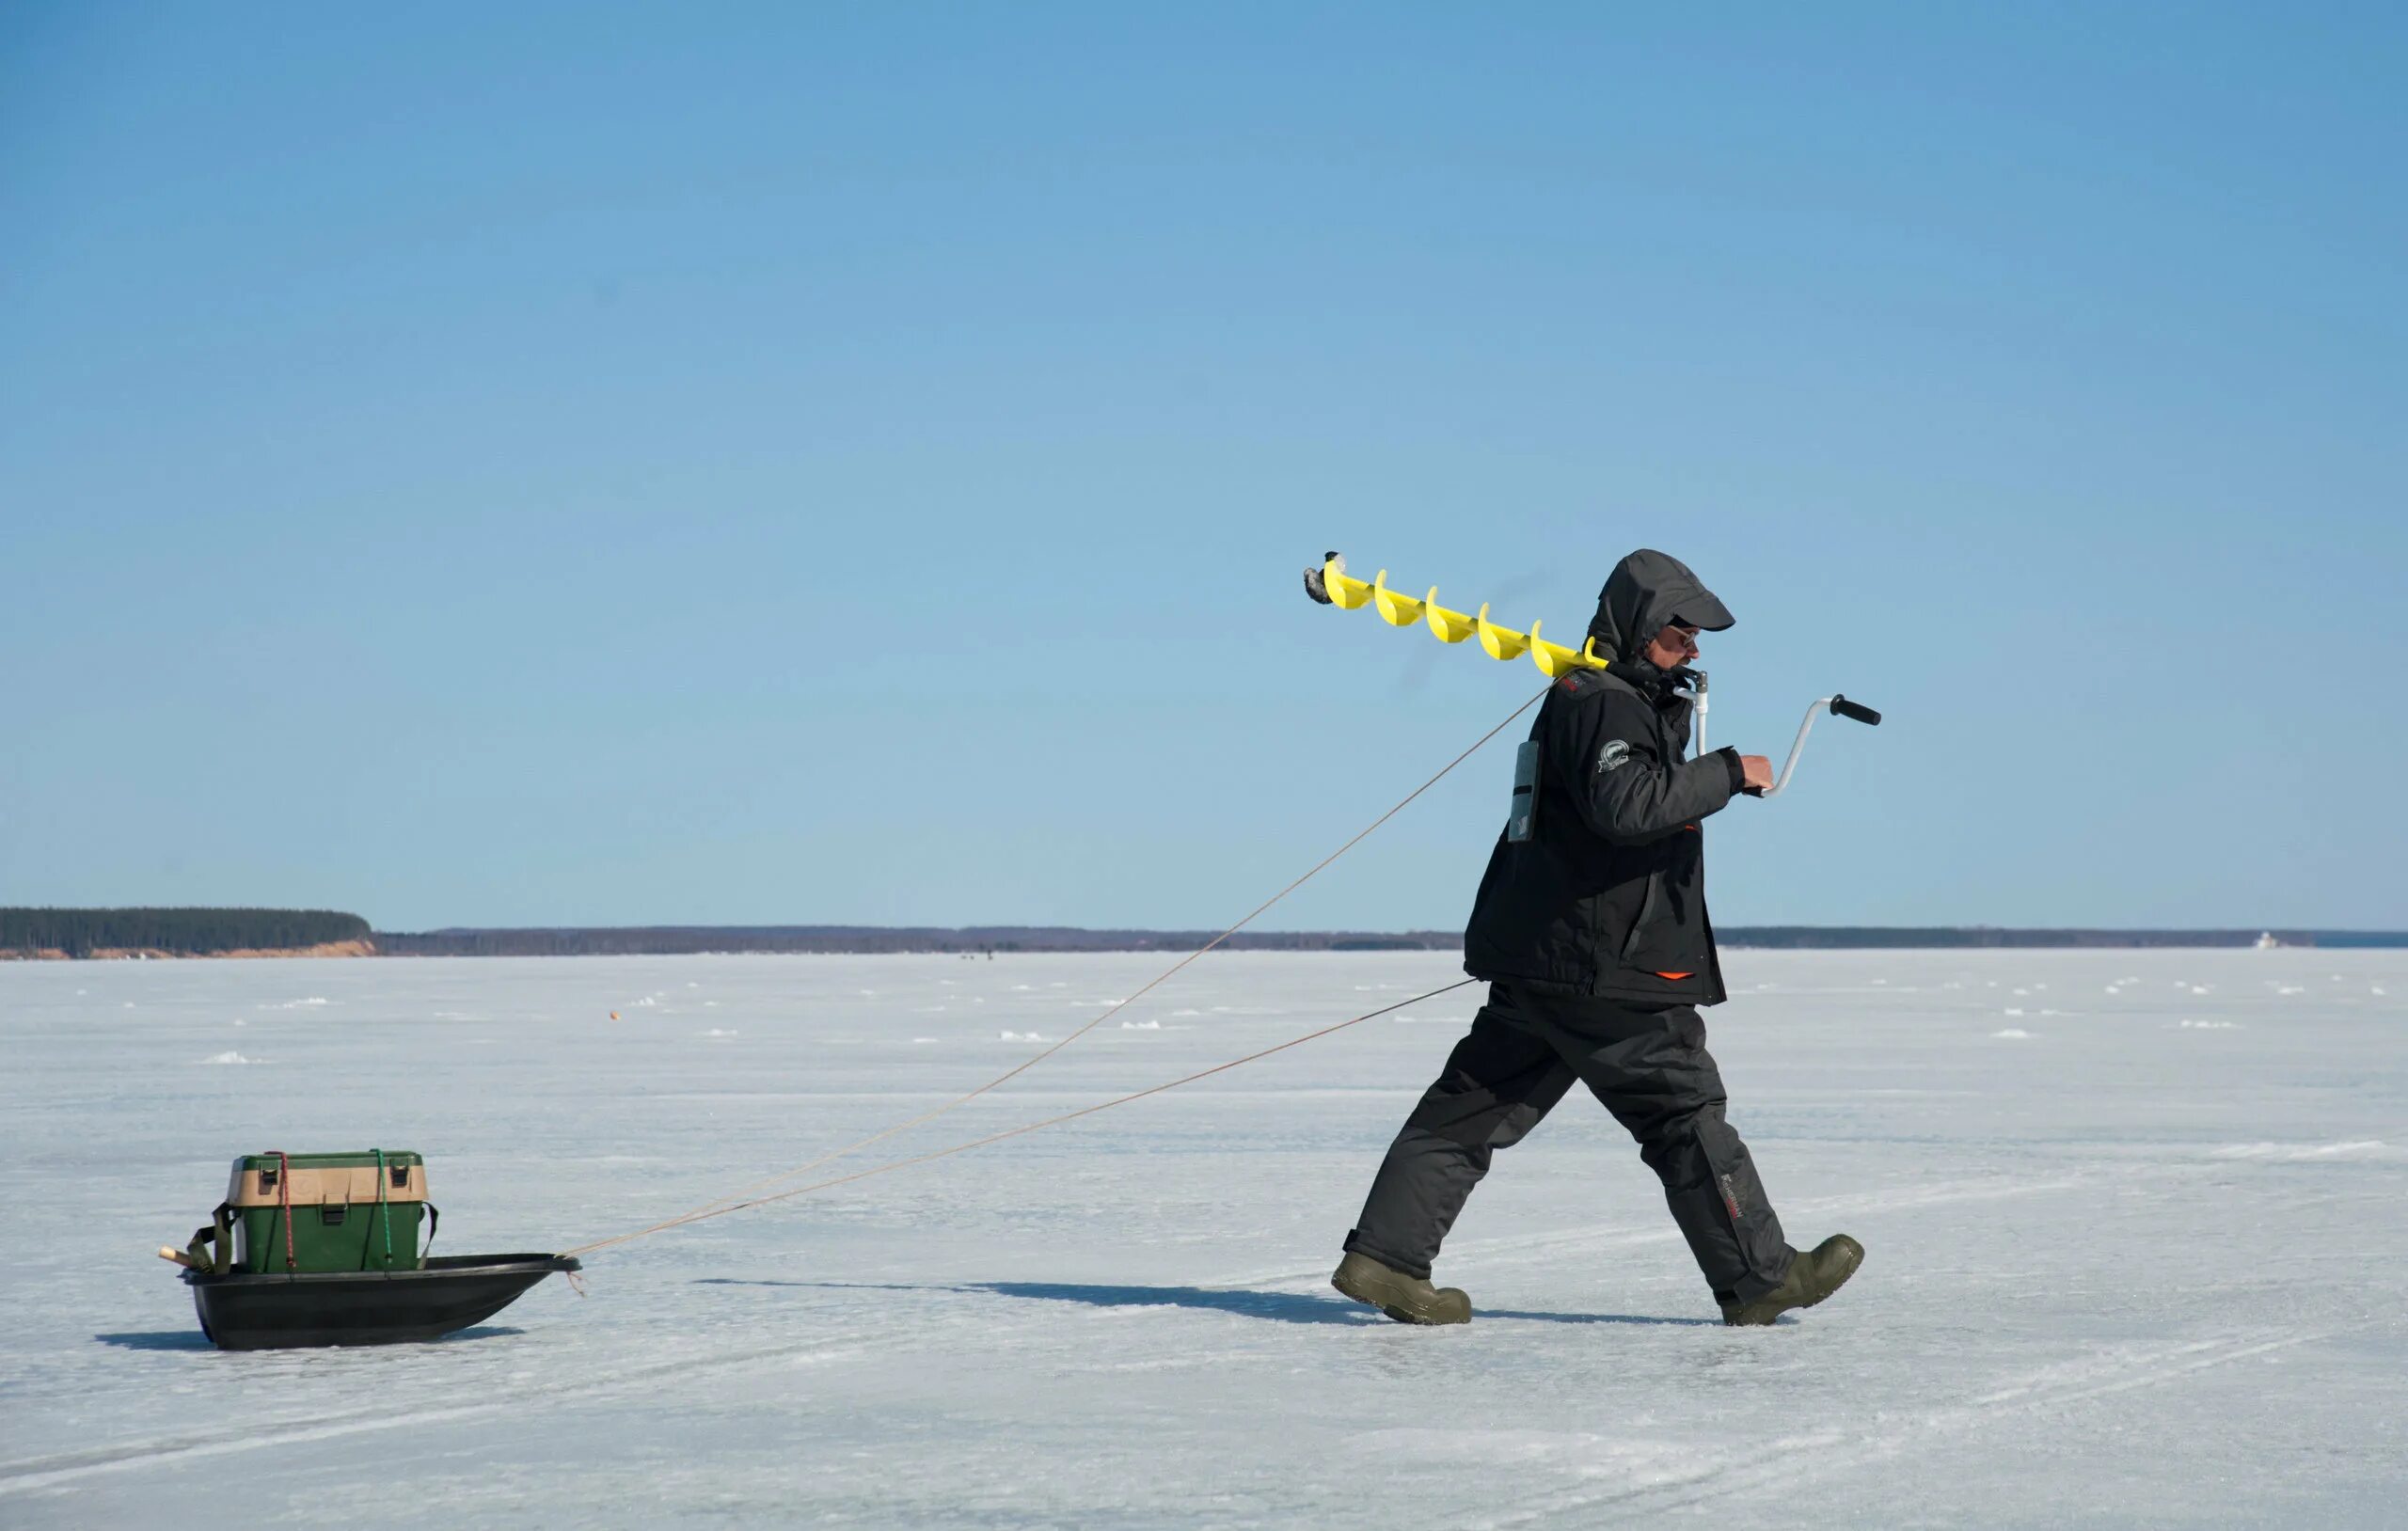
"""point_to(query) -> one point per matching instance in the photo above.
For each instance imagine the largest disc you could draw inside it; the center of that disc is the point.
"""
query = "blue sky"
(851, 463)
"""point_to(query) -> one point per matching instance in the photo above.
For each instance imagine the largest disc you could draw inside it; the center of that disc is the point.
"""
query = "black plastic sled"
(246, 1311)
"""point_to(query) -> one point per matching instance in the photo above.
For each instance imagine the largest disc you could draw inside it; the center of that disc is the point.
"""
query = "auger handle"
(1839, 705)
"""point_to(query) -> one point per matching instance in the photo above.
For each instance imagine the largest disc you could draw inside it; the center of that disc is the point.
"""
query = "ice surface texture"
(2123, 1270)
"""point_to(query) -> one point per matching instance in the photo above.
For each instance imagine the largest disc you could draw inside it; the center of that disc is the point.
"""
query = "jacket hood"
(1647, 589)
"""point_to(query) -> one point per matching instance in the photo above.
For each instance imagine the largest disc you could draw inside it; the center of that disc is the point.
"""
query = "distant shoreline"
(145, 954)
(976, 941)
(124, 935)
(138, 933)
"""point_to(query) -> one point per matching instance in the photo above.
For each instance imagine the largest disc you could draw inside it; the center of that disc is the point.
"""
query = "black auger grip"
(1856, 710)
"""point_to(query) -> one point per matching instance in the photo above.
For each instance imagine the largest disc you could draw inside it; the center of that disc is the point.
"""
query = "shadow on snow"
(193, 1339)
(1277, 1307)
(159, 1339)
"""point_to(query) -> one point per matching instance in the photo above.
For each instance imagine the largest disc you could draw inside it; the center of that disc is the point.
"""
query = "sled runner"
(243, 1310)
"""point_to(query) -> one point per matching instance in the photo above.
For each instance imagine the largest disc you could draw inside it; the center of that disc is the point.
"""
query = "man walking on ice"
(1591, 929)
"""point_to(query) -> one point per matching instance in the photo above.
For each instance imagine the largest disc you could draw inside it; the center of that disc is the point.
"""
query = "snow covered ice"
(2140, 1263)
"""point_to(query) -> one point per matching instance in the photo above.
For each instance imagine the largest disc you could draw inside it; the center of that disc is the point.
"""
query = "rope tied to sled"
(745, 1196)
(284, 1202)
(384, 1208)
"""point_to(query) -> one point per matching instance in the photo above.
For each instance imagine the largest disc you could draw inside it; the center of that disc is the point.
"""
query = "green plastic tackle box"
(317, 1212)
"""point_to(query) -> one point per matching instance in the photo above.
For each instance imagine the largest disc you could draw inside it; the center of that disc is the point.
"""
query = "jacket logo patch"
(1614, 754)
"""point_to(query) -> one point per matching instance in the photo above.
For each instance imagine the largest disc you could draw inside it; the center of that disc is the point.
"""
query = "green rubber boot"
(1408, 1299)
(1814, 1275)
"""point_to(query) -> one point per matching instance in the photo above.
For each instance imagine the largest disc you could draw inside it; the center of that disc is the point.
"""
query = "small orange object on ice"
(614, 1015)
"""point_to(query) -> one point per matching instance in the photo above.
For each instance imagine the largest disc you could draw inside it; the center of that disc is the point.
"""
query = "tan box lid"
(350, 1187)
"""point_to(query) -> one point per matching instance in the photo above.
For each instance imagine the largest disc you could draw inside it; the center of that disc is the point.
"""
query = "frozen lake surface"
(2136, 1222)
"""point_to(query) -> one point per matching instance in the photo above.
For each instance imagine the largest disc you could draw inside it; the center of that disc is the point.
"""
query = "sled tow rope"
(721, 1209)
(748, 1196)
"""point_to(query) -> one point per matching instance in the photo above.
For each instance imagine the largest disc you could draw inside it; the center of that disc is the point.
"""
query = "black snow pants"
(1650, 1067)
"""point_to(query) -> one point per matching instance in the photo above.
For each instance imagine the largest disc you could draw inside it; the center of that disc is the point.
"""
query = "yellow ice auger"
(1331, 585)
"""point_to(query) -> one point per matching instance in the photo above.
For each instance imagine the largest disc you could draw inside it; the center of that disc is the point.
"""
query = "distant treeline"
(647, 941)
(184, 932)
(1892, 938)
(651, 940)
(26, 931)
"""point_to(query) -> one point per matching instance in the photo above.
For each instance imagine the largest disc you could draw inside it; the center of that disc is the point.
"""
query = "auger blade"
(1450, 627)
(1395, 610)
(1501, 642)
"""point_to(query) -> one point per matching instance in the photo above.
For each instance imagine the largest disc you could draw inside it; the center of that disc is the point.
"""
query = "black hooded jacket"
(1605, 895)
